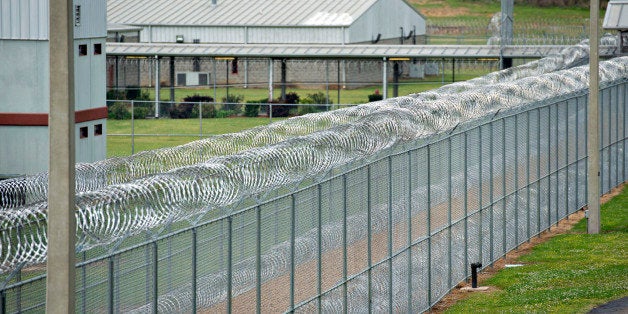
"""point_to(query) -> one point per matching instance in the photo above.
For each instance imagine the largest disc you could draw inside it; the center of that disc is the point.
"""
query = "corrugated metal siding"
(24, 19)
(93, 19)
(24, 78)
(386, 17)
(17, 158)
(295, 35)
(237, 12)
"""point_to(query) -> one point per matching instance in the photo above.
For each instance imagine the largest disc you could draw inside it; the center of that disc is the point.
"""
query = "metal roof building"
(270, 21)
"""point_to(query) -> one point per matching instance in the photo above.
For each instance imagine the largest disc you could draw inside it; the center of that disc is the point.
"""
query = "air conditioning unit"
(193, 78)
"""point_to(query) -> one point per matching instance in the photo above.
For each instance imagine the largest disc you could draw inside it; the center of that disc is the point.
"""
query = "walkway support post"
(172, 77)
(270, 80)
(385, 78)
(60, 282)
(157, 86)
(593, 148)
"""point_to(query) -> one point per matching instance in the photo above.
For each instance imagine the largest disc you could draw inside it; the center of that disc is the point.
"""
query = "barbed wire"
(121, 197)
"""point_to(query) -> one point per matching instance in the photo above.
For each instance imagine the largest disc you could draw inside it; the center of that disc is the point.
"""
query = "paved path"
(617, 306)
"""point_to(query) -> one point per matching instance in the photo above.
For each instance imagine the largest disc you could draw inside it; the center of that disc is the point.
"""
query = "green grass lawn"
(121, 145)
(571, 273)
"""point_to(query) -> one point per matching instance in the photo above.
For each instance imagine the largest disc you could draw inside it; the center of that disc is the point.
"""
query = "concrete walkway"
(616, 306)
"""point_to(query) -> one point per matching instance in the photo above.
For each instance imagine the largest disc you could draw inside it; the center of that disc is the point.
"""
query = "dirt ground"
(512, 257)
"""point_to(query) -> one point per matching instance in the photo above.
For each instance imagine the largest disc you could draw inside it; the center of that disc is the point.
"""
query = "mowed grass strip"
(121, 145)
(570, 273)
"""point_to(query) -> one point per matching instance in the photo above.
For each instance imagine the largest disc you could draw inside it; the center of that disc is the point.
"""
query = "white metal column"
(385, 78)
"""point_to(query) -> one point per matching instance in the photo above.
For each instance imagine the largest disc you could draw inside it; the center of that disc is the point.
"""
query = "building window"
(83, 131)
(82, 50)
(97, 129)
(97, 49)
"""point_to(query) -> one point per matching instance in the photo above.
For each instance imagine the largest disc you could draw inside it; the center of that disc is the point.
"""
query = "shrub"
(189, 108)
(232, 103)
(375, 96)
(114, 94)
(317, 98)
(136, 93)
(140, 112)
(119, 111)
(251, 110)
(284, 111)
(225, 113)
(209, 111)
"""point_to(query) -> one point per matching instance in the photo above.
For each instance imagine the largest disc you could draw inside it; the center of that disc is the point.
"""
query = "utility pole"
(593, 146)
(61, 186)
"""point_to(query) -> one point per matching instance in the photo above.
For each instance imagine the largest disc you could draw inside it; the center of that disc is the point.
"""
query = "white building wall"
(24, 19)
(93, 21)
(94, 146)
(386, 17)
(168, 34)
(296, 35)
(23, 150)
(24, 78)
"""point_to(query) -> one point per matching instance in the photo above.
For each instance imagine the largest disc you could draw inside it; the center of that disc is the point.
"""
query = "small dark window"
(82, 50)
(83, 131)
(97, 129)
(97, 49)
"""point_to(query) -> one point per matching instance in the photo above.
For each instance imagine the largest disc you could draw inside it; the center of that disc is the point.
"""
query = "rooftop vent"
(214, 2)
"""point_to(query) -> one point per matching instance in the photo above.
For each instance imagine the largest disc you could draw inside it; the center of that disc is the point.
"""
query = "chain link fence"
(384, 211)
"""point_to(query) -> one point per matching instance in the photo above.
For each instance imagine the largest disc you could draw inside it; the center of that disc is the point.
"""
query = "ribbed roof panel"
(237, 12)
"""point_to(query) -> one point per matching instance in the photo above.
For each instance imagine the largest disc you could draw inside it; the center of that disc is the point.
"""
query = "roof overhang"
(336, 51)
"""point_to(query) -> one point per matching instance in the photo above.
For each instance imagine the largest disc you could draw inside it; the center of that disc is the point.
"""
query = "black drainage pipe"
(474, 274)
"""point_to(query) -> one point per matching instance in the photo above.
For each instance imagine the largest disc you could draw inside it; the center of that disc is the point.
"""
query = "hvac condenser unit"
(193, 78)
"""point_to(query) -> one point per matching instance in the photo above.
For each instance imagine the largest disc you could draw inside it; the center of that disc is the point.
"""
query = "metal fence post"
(369, 253)
(155, 277)
(504, 199)
(538, 173)
(200, 120)
(111, 275)
(449, 209)
(390, 234)
(528, 183)
(557, 170)
(344, 242)
(292, 239)
(429, 226)
(466, 205)
(516, 181)
(480, 194)
(229, 262)
(319, 263)
(194, 269)
(258, 260)
(132, 127)
(491, 193)
(409, 200)
(549, 167)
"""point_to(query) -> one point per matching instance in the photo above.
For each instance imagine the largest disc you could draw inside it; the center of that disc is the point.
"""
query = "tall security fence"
(381, 206)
